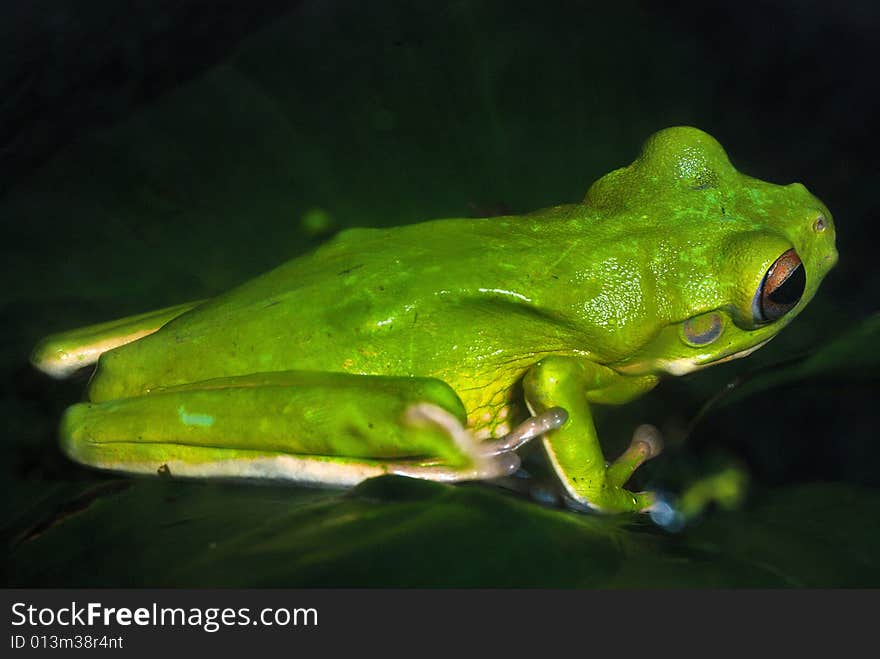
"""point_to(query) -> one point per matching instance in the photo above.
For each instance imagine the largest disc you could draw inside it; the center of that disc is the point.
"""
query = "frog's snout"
(827, 261)
(830, 259)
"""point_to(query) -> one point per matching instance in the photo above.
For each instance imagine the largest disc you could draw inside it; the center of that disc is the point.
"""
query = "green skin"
(318, 371)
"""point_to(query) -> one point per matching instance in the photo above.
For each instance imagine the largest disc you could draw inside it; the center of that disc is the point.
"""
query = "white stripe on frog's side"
(317, 471)
(307, 471)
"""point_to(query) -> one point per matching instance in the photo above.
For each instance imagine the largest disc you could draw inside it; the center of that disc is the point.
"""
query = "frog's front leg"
(309, 427)
(573, 449)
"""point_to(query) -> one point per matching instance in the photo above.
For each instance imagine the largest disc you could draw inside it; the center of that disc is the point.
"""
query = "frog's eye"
(781, 289)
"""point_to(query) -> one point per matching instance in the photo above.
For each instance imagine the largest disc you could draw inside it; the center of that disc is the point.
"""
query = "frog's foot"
(479, 463)
(611, 496)
(487, 460)
(646, 443)
(532, 427)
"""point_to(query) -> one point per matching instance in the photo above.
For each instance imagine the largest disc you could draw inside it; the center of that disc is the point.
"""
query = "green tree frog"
(435, 350)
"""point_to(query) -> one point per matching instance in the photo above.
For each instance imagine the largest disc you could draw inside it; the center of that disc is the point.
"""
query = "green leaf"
(394, 531)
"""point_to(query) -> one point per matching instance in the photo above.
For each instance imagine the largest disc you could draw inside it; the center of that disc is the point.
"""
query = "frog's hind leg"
(497, 457)
(533, 427)
(308, 427)
(64, 353)
(485, 461)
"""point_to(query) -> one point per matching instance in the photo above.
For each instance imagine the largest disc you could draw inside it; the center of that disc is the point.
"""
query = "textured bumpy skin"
(657, 271)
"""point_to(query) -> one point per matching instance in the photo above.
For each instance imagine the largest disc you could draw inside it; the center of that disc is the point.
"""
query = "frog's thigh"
(318, 428)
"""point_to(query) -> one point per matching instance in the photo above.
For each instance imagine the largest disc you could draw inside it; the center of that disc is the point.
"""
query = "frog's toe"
(646, 443)
(422, 413)
(499, 467)
(665, 514)
(479, 465)
(532, 427)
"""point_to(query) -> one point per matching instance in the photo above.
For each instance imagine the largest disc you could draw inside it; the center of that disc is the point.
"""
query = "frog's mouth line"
(685, 365)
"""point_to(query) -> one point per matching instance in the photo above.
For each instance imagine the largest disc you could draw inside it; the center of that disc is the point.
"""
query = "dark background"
(165, 151)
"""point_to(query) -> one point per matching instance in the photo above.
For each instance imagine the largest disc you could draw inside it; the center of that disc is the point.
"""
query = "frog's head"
(735, 258)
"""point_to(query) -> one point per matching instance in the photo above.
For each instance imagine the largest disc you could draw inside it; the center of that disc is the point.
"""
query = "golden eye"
(781, 289)
(819, 224)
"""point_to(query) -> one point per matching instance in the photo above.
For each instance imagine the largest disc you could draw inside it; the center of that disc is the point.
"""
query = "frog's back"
(409, 300)
(334, 309)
